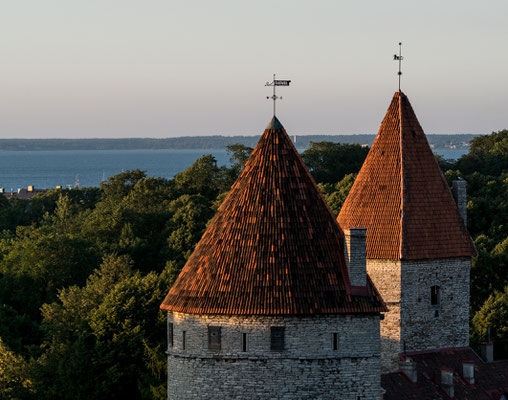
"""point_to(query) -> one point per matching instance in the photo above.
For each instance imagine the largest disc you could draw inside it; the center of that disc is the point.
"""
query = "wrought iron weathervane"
(274, 97)
(399, 58)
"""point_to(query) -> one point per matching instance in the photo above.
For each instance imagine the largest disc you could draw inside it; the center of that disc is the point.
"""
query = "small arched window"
(435, 295)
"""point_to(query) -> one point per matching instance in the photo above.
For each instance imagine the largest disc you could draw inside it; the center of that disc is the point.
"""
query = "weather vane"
(274, 97)
(399, 58)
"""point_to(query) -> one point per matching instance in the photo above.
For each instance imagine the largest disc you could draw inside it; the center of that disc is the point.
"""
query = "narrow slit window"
(244, 342)
(335, 341)
(277, 338)
(170, 334)
(434, 295)
(214, 342)
(184, 340)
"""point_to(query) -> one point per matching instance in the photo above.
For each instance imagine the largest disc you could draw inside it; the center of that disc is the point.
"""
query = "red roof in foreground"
(491, 379)
(273, 247)
(401, 196)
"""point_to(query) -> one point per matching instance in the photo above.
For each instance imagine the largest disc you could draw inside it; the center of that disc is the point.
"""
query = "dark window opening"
(436, 313)
(244, 342)
(170, 334)
(184, 344)
(335, 341)
(277, 338)
(214, 338)
(434, 295)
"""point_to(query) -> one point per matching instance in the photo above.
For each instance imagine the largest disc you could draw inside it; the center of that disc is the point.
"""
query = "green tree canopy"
(329, 162)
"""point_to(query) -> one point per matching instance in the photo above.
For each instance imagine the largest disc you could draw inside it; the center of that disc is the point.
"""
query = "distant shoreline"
(437, 142)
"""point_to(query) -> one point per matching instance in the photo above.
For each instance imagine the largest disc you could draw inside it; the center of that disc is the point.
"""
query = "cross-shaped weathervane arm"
(399, 58)
(274, 97)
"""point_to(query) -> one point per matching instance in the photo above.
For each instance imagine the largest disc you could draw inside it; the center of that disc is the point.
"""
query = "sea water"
(47, 169)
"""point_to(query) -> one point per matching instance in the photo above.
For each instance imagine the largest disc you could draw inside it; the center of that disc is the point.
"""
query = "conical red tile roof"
(401, 196)
(273, 247)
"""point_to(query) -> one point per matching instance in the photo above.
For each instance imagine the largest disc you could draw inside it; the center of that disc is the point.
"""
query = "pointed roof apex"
(274, 124)
(273, 247)
(401, 196)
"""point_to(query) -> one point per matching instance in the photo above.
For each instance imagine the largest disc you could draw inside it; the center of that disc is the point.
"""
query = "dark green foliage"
(38, 262)
(97, 337)
(493, 314)
(488, 155)
(239, 156)
(328, 162)
(485, 169)
(203, 177)
(335, 195)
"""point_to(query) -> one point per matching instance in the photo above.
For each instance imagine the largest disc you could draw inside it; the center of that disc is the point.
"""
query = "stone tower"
(418, 248)
(264, 307)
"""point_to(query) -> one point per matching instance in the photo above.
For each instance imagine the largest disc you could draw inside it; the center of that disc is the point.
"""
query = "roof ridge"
(402, 189)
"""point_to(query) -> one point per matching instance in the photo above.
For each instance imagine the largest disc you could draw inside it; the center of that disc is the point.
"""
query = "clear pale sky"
(163, 68)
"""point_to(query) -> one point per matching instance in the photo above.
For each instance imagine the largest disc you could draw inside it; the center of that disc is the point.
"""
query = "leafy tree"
(488, 155)
(98, 337)
(335, 195)
(190, 215)
(239, 156)
(329, 162)
(14, 381)
(38, 262)
(132, 218)
(493, 314)
(203, 177)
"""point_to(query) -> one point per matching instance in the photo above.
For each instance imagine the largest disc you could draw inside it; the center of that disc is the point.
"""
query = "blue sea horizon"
(47, 169)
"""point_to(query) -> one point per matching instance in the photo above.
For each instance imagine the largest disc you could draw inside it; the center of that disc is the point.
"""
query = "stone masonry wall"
(386, 275)
(412, 319)
(356, 255)
(307, 368)
(426, 326)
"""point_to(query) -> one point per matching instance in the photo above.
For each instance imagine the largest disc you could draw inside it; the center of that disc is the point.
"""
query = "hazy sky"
(161, 68)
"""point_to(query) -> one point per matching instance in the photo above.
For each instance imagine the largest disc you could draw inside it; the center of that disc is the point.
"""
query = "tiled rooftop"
(491, 379)
(401, 196)
(273, 247)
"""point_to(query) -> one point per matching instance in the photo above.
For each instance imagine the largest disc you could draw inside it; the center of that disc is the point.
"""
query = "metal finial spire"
(399, 58)
(274, 97)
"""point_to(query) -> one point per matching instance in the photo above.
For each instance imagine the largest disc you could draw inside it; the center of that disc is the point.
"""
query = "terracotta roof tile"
(273, 246)
(401, 196)
(490, 378)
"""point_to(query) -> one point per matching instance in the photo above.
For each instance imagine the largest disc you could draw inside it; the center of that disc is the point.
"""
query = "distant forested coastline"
(206, 142)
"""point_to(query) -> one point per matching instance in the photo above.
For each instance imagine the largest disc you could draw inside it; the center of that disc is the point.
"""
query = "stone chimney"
(356, 255)
(408, 368)
(487, 351)
(447, 381)
(468, 371)
(459, 191)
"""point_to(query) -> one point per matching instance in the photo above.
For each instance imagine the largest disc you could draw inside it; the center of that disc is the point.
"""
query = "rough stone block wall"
(422, 327)
(412, 320)
(356, 255)
(386, 275)
(307, 368)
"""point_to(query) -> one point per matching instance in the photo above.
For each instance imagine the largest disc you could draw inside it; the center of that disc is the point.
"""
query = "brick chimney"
(487, 351)
(356, 255)
(408, 368)
(468, 371)
(459, 190)
(447, 381)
